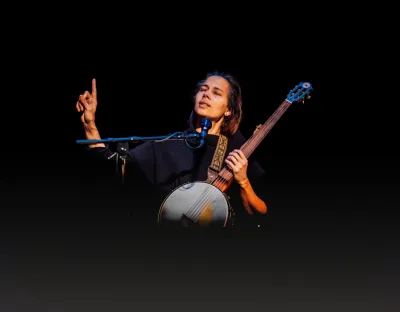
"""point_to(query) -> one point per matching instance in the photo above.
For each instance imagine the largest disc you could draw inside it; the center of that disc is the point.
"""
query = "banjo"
(204, 203)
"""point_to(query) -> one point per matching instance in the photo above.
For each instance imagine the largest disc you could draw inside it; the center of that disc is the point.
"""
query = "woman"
(169, 164)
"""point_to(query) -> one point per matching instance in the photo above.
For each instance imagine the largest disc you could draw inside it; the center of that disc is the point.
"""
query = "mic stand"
(123, 145)
(122, 152)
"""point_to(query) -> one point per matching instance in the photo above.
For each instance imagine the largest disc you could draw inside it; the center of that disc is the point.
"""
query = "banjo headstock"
(300, 92)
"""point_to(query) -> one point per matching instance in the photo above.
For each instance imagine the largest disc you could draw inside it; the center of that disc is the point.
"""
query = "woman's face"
(212, 99)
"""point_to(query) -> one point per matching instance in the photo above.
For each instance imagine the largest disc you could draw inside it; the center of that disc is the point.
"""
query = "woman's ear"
(227, 113)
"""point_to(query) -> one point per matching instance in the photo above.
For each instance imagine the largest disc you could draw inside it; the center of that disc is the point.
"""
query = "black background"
(74, 241)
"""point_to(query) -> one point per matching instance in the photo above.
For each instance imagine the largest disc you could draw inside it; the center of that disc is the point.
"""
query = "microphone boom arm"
(174, 136)
(205, 126)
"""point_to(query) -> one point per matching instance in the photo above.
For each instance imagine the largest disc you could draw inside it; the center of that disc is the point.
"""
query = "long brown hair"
(230, 124)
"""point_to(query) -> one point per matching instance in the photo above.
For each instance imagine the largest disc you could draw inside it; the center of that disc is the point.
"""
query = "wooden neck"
(251, 144)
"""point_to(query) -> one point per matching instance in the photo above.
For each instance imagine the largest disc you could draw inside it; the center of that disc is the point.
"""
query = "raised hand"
(87, 104)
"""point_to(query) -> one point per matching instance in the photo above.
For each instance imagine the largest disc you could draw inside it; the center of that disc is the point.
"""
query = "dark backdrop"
(74, 240)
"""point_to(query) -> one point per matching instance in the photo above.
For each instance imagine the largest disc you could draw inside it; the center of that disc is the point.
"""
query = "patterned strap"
(218, 158)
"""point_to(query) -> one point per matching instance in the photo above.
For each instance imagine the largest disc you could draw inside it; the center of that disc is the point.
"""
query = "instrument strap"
(218, 158)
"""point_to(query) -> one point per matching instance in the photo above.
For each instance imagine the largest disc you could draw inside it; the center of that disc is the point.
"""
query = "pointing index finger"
(94, 89)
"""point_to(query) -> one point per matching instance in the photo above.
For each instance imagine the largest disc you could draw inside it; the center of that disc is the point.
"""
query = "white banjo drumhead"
(195, 202)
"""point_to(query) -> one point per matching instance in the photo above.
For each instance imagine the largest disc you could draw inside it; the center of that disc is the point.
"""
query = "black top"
(161, 166)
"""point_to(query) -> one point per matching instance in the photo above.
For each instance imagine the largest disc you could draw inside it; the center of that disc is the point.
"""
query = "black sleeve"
(138, 194)
(99, 153)
(97, 163)
(141, 158)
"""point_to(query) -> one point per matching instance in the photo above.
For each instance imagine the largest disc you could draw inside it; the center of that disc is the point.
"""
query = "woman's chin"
(201, 112)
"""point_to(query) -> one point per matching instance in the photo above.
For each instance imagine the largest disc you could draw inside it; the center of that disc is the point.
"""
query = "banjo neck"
(225, 176)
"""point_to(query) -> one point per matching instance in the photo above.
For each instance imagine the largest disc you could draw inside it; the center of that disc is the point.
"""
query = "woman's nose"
(205, 93)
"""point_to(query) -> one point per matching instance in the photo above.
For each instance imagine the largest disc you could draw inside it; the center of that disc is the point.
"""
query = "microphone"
(205, 126)
(200, 138)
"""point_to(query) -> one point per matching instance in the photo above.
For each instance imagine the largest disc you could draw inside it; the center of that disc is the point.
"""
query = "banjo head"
(195, 204)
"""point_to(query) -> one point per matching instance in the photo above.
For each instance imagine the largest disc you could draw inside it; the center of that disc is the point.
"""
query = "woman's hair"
(230, 123)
